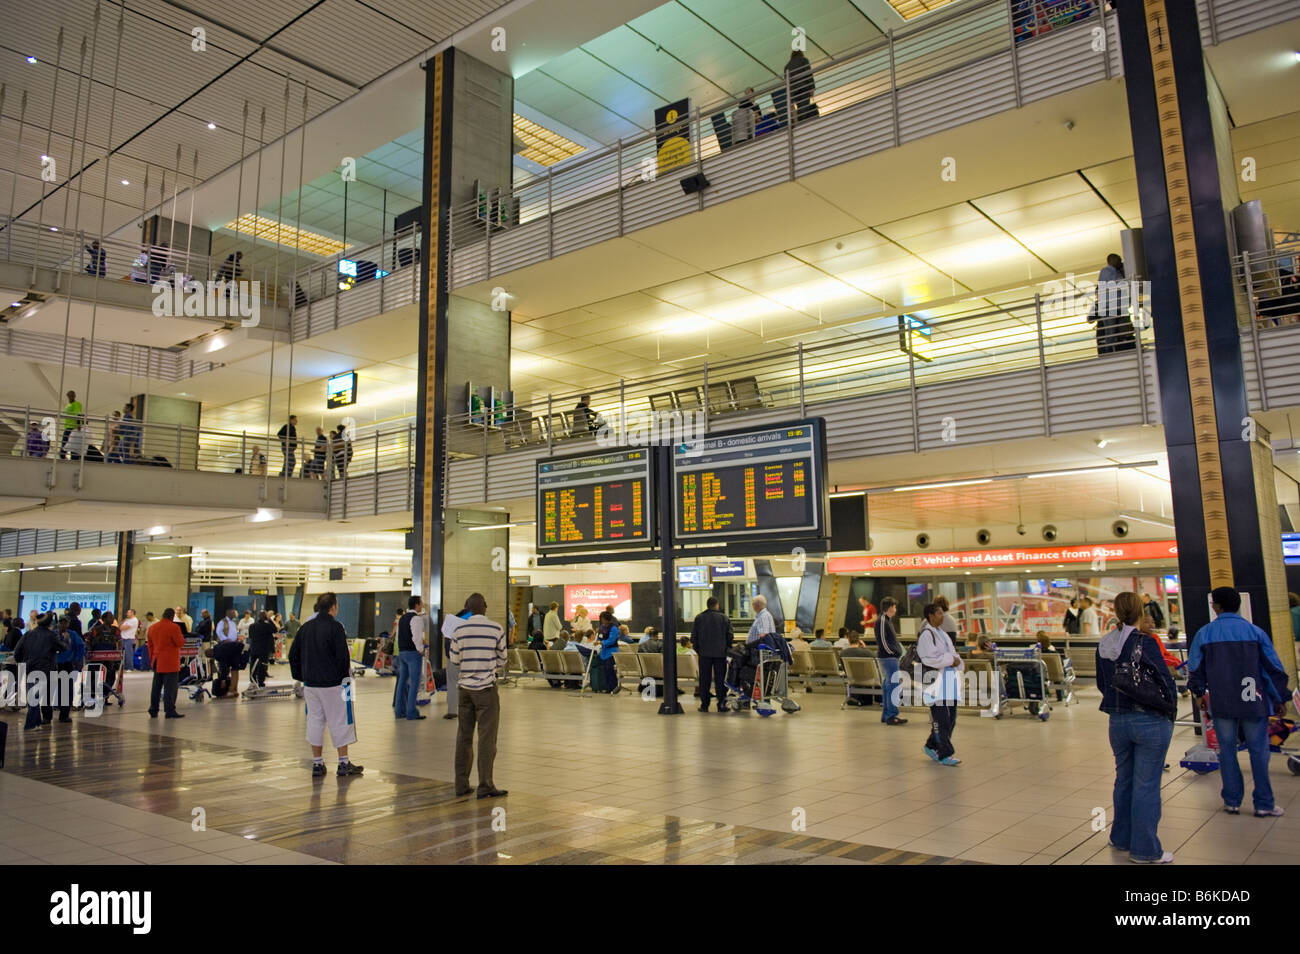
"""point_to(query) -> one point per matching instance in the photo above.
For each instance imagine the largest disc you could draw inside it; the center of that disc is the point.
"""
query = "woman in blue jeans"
(1139, 737)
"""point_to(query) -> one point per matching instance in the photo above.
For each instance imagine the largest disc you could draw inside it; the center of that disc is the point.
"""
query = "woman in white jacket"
(938, 655)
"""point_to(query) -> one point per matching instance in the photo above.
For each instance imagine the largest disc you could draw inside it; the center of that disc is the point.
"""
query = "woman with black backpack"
(1138, 694)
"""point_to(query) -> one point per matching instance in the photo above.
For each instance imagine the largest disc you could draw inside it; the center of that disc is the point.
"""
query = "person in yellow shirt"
(71, 415)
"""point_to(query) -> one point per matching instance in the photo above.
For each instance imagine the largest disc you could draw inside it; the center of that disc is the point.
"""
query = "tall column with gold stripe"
(1208, 428)
(431, 400)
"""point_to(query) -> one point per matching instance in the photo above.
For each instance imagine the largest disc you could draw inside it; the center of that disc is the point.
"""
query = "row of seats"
(742, 394)
(568, 666)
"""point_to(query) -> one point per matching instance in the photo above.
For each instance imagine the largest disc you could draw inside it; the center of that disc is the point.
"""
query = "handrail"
(916, 51)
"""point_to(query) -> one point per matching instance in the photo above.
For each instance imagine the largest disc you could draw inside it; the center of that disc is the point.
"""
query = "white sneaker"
(1164, 859)
(1274, 812)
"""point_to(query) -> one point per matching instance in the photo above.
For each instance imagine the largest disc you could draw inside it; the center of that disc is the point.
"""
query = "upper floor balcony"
(963, 63)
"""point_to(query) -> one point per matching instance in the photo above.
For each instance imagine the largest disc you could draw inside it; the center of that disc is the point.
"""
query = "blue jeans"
(410, 669)
(889, 685)
(1234, 786)
(128, 654)
(1140, 741)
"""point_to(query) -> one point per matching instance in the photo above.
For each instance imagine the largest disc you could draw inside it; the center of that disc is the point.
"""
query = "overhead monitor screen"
(1290, 548)
(693, 577)
(595, 501)
(341, 390)
(749, 483)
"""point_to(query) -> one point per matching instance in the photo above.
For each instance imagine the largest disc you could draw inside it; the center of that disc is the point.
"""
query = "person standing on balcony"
(37, 445)
(71, 418)
(257, 463)
(1110, 310)
(585, 420)
(745, 119)
(98, 264)
(288, 434)
(799, 77)
(76, 441)
(128, 433)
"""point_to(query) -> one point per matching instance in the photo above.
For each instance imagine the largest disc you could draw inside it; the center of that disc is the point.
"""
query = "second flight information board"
(768, 481)
(594, 501)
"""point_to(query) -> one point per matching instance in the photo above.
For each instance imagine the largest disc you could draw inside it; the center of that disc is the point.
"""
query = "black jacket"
(39, 648)
(261, 639)
(711, 634)
(887, 644)
(319, 656)
(203, 628)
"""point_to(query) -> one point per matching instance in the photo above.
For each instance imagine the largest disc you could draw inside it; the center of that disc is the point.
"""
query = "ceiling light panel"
(287, 235)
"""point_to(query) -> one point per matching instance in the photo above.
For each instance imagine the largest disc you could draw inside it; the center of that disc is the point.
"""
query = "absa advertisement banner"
(1016, 556)
(596, 596)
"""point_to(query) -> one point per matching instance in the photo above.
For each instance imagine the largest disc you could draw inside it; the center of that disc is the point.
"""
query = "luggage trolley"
(1203, 757)
(196, 672)
(1024, 675)
(110, 665)
(760, 675)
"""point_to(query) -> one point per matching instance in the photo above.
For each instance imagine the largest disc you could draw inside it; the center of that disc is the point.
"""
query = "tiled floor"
(608, 779)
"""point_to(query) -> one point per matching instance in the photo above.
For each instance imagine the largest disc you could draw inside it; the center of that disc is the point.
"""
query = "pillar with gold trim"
(1225, 507)
(464, 337)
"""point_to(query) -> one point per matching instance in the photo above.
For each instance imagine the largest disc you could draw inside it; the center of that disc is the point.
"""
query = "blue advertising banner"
(59, 603)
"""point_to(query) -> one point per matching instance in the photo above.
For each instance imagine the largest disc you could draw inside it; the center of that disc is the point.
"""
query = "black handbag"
(1138, 681)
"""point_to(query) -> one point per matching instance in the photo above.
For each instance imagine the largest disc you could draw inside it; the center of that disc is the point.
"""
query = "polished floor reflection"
(597, 780)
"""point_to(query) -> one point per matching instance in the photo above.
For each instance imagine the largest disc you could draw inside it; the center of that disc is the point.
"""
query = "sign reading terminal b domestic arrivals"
(766, 481)
(1011, 557)
(597, 499)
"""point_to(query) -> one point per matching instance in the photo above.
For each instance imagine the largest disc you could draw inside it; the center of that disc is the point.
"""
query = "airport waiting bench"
(630, 667)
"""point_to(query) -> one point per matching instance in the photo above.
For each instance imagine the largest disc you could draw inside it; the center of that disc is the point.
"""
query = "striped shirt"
(478, 648)
(763, 626)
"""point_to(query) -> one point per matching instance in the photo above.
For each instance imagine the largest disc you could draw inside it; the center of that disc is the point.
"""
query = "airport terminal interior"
(695, 344)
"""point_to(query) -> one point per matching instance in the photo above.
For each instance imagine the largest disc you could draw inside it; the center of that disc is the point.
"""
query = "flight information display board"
(594, 501)
(769, 481)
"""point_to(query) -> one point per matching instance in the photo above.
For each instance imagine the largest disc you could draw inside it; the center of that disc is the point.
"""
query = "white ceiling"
(167, 93)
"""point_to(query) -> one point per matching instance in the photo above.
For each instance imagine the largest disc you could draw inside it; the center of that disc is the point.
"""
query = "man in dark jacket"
(888, 651)
(711, 637)
(1234, 661)
(261, 648)
(38, 650)
(319, 659)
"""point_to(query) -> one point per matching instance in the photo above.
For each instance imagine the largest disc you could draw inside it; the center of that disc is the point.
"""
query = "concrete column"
(1224, 506)
(171, 429)
(469, 110)
(160, 577)
(10, 586)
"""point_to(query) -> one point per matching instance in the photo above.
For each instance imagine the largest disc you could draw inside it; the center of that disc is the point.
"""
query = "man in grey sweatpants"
(449, 624)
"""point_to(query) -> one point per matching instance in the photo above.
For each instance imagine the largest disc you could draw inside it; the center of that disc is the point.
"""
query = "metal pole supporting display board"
(667, 581)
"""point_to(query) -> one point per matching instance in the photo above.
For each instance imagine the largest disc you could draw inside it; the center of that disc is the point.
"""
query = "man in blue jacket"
(1234, 660)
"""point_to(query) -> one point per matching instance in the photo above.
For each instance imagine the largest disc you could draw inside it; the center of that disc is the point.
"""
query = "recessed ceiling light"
(212, 125)
(15, 304)
(53, 229)
(32, 59)
(1102, 442)
(126, 182)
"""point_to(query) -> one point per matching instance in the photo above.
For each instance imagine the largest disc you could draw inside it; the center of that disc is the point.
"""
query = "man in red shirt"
(165, 642)
(868, 615)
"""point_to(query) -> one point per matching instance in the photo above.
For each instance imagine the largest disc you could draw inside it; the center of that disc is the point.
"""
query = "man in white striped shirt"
(478, 649)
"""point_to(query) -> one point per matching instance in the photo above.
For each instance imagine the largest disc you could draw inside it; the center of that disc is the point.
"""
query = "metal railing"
(42, 245)
(907, 353)
(45, 434)
(882, 71)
